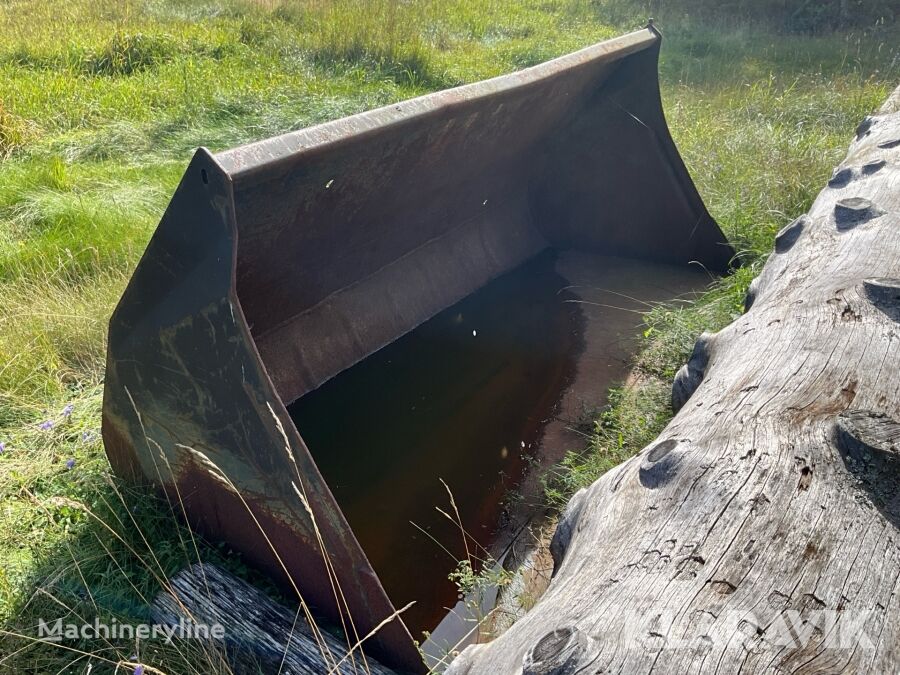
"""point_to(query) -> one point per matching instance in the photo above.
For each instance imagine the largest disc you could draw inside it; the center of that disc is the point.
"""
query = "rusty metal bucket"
(279, 264)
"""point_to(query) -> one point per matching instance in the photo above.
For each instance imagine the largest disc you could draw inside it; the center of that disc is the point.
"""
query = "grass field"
(101, 104)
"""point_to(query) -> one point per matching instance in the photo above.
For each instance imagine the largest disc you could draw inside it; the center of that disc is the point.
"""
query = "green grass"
(101, 104)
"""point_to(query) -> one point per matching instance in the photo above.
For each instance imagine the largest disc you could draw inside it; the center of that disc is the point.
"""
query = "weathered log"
(260, 635)
(759, 533)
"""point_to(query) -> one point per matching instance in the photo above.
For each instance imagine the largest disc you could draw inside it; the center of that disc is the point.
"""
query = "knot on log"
(873, 167)
(869, 444)
(852, 211)
(865, 127)
(564, 651)
(659, 464)
(866, 431)
(843, 177)
(789, 234)
(884, 293)
(689, 377)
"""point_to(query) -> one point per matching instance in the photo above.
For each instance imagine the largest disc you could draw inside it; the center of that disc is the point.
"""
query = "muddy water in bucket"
(453, 400)
(471, 397)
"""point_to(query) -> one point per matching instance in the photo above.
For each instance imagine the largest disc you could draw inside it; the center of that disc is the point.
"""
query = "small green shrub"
(125, 54)
(15, 132)
(633, 417)
(254, 32)
(403, 59)
(122, 54)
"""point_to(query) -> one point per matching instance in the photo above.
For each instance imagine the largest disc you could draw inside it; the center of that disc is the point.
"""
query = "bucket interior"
(454, 400)
(407, 277)
(484, 395)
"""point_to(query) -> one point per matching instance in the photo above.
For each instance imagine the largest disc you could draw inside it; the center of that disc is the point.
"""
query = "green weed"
(15, 132)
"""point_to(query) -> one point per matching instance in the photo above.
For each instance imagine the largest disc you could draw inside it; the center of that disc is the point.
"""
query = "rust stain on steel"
(279, 264)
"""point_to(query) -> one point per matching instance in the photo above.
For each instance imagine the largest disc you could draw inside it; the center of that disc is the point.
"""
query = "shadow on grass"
(112, 560)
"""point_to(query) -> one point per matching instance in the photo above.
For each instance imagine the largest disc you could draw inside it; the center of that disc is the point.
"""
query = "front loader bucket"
(280, 264)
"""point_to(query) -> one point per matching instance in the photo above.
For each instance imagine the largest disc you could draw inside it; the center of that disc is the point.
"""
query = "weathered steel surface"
(356, 231)
(279, 264)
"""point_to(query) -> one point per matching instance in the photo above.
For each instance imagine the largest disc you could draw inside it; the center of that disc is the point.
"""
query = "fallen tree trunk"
(257, 634)
(759, 533)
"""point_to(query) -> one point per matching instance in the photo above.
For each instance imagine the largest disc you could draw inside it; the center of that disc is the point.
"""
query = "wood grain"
(260, 634)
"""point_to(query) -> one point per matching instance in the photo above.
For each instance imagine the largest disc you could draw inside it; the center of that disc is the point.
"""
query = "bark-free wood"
(260, 635)
(771, 500)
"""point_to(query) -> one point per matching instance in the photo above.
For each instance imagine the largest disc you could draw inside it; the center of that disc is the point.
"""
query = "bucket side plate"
(189, 407)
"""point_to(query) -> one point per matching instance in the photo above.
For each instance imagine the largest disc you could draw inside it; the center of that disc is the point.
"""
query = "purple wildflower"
(87, 436)
(2, 447)
(68, 410)
(139, 670)
(46, 425)
(70, 464)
